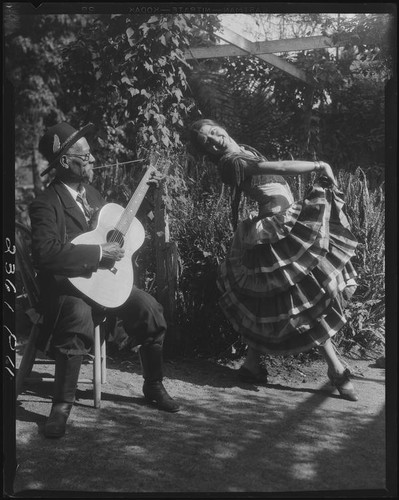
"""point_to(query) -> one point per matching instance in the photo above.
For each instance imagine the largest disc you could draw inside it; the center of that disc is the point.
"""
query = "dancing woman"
(287, 276)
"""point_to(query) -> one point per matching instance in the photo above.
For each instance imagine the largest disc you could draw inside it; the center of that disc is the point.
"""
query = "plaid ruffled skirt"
(287, 277)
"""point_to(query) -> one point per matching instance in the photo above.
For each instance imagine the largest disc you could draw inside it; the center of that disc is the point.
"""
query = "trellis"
(237, 45)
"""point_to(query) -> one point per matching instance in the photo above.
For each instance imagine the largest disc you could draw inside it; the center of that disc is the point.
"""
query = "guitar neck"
(132, 207)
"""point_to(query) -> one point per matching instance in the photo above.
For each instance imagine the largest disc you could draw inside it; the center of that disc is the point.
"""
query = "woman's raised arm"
(289, 167)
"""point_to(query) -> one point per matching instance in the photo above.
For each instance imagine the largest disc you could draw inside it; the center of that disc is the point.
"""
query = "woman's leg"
(334, 364)
(251, 370)
(252, 360)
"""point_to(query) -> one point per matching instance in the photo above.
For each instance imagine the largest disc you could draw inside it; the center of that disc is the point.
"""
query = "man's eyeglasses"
(85, 157)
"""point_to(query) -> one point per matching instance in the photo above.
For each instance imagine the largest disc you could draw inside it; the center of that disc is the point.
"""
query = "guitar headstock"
(157, 161)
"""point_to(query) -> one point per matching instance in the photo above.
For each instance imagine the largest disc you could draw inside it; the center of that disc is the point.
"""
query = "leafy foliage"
(138, 63)
(366, 312)
(341, 119)
(33, 58)
(128, 75)
(200, 223)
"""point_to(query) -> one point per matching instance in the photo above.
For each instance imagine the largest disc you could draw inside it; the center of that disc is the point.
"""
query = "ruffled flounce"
(284, 279)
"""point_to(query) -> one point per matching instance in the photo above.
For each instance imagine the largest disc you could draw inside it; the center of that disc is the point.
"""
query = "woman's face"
(216, 140)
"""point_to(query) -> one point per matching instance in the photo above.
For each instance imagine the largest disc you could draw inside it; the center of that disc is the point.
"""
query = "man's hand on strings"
(112, 251)
(155, 179)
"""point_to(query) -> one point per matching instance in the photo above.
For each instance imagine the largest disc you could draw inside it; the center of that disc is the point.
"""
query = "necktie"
(81, 198)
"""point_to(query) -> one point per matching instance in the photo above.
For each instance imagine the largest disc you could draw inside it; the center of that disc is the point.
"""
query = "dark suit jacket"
(56, 219)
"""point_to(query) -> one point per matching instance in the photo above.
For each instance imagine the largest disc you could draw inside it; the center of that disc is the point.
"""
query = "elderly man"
(58, 215)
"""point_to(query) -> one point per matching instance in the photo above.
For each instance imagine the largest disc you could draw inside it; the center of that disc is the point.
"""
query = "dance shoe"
(339, 381)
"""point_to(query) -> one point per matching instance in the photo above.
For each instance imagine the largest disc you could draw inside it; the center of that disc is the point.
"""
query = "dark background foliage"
(128, 74)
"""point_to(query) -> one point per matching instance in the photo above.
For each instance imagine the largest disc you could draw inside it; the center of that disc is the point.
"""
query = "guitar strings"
(120, 230)
(117, 233)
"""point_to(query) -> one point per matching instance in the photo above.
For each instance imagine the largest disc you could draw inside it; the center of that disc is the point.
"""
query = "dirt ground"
(293, 436)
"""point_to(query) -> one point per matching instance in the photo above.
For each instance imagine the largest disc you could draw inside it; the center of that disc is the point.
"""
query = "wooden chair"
(27, 275)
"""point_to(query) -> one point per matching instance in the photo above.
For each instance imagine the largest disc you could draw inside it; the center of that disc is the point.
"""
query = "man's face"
(80, 161)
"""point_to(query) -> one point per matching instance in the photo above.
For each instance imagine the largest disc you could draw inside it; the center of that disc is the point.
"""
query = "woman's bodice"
(271, 192)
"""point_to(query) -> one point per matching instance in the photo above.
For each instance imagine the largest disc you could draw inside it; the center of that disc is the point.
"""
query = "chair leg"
(103, 362)
(27, 361)
(97, 368)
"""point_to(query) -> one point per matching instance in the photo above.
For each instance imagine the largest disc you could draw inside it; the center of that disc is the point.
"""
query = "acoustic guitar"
(111, 284)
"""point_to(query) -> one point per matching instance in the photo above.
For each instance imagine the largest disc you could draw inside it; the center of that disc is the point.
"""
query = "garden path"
(294, 435)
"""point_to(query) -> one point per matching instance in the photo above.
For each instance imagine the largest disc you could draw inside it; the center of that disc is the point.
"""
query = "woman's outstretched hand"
(327, 171)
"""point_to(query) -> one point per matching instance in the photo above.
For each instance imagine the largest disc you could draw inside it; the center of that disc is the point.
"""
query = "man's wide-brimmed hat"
(58, 139)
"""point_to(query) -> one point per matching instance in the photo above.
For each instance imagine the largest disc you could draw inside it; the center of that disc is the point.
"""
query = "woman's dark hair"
(230, 165)
(193, 135)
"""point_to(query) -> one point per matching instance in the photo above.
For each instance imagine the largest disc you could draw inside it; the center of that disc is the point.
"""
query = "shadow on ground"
(292, 436)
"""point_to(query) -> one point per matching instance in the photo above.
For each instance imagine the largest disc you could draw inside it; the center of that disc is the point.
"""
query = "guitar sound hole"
(115, 236)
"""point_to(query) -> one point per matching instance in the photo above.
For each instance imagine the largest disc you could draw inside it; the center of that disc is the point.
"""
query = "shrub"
(200, 224)
(365, 329)
(199, 213)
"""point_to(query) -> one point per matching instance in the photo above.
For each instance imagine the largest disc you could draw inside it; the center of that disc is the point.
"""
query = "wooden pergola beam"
(267, 47)
(249, 48)
(232, 51)
(286, 67)
(240, 46)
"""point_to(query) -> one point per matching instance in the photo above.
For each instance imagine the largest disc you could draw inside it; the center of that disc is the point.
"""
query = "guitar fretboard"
(132, 207)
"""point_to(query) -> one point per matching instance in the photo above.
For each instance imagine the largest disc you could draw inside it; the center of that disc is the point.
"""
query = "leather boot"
(55, 425)
(153, 389)
(65, 382)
